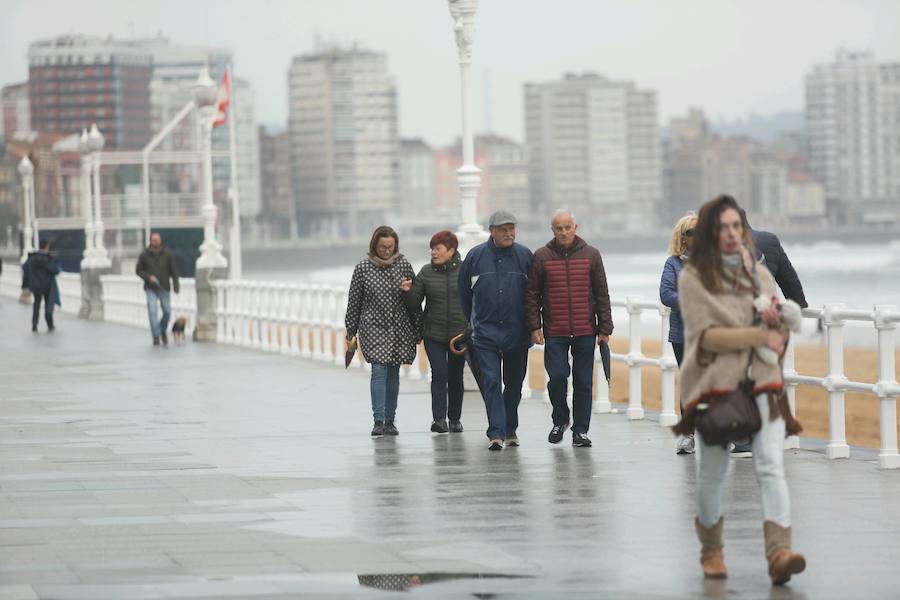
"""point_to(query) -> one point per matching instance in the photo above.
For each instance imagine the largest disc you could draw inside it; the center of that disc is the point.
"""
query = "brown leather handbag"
(729, 418)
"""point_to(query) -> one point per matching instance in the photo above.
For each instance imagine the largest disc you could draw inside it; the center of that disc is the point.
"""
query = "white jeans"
(768, 461)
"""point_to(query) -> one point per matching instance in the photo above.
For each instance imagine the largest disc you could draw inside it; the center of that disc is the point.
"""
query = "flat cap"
(502, 217)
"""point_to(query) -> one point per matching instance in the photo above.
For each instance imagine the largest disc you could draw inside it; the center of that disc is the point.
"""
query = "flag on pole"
(224, 99)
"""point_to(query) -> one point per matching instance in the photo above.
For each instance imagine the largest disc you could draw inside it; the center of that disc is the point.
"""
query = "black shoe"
(580, 440)
(156, 340)
(390, 428)
(165, 339)
(496, 445)
(378, 429)
(51, 328)
(456, 427)
(34, 328)
(556, 434)
(439, 426)
(742, 450)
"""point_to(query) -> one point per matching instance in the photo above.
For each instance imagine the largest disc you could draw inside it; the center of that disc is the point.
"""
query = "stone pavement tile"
(17, 592)
(52, 575)
(96, 592)
(221, 518)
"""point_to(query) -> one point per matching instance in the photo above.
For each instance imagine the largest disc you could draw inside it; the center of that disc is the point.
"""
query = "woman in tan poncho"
(716, 290)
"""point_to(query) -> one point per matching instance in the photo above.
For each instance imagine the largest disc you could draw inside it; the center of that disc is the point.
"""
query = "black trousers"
(36, 310)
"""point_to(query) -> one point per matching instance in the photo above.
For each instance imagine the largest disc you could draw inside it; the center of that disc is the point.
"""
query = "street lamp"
(95, 144)
(26, 172)
(87, 203)
(205, 96)
(468, 175)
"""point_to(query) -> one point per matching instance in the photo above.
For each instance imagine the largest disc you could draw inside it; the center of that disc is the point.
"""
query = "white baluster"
(316, 319)
(886, 318)
(329, 342)
(294, 319)
(834, 327)
(265, 321)
(526, 385)
(256, 300)
(220, 287)
(306, 320)
(668, 365)
(635, 354)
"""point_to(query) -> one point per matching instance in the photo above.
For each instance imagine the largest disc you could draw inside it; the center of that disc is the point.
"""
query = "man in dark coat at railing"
(771, 253)
(156, 266)
(39, 276)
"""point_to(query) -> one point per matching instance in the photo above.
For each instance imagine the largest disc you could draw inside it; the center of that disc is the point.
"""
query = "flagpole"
(237, 266)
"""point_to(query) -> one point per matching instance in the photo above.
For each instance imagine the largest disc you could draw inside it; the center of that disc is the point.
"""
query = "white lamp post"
(26, 171)
(95, 144)
(205, 96)
(87, 203)
(468, 175)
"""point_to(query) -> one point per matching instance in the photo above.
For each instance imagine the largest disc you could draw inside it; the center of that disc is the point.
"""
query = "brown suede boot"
(782, 562)
(711, 556)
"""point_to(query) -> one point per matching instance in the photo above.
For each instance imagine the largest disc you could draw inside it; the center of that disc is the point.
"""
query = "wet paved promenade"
(207, 471)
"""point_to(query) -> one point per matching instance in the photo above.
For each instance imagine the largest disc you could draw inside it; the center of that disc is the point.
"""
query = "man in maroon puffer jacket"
(566, 308)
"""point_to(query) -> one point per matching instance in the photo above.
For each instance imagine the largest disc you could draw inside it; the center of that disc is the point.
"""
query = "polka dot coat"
(387, 330)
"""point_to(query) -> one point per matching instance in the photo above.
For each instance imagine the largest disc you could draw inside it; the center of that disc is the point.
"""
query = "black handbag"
(729, 418)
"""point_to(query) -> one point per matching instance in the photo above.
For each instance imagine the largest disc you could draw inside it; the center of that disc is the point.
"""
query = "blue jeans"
(385, 386)
(502, 405)
(158, 326)
(556, 361)
(446, 381)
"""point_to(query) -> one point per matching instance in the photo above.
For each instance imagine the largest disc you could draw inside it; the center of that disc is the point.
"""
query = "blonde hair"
(677, 245)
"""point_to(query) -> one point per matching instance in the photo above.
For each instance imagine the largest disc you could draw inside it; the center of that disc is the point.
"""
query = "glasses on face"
(689, 233)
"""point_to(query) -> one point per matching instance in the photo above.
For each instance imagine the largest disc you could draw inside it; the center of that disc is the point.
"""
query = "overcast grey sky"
(729, 57)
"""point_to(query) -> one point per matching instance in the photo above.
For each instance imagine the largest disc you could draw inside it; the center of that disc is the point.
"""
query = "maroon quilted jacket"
(567, 292)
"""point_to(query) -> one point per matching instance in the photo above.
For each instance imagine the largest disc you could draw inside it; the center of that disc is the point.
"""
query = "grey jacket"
(438, 285)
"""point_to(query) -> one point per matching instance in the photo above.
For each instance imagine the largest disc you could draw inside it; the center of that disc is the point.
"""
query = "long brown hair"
(705, 256)
(382, 232)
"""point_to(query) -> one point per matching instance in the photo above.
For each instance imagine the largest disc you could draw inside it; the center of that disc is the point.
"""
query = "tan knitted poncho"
(704, 374)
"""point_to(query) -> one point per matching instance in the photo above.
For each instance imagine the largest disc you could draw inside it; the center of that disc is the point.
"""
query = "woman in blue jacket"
(679, 249)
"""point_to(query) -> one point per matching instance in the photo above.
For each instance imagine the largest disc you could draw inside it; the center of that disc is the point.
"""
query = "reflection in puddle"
(398, 582)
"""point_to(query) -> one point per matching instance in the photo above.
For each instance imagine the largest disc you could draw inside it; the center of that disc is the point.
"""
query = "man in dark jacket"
(492, 293)
(39, 276)
(567, 308)
(156, 266)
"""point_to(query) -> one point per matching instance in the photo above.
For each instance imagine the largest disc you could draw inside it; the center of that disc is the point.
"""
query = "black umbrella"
(462, 345)
(605, 359)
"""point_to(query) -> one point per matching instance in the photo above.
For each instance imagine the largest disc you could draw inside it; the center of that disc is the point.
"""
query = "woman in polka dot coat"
(386, 329)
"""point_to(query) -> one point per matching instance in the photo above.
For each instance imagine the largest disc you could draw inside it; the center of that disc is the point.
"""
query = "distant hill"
(761, 127)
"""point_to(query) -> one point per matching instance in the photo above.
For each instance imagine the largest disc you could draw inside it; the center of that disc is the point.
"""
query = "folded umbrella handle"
(458, 343)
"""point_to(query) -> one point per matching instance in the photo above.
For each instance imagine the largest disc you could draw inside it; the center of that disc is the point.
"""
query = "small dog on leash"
(178, 330)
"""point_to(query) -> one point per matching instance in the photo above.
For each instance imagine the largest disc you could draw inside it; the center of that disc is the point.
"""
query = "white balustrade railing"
(11, 280)
(69, 292)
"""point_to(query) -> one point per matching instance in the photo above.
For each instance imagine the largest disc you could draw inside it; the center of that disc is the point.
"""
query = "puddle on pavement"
(399, 582)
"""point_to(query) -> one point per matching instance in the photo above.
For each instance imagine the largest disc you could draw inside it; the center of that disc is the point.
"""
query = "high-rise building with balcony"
(342, 120)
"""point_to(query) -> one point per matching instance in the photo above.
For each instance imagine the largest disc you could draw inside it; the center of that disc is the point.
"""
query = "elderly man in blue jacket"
(492, 293)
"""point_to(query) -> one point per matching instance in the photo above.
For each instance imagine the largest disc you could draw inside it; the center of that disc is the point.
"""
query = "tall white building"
(853, 128)
(594, 147)
(345, 152)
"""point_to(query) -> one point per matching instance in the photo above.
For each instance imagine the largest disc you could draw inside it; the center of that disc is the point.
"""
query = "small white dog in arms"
(791, 316)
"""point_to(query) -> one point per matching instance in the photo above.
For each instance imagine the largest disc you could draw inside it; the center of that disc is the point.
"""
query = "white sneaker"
(685, 445)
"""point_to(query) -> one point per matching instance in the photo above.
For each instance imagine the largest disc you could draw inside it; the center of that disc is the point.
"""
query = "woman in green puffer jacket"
(436, 283)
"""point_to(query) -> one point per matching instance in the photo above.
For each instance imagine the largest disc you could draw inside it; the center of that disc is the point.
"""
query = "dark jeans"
(446, 381)
(556, 361)
(502, 402)
(678, 349)
(36, 310)
(385, 387)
